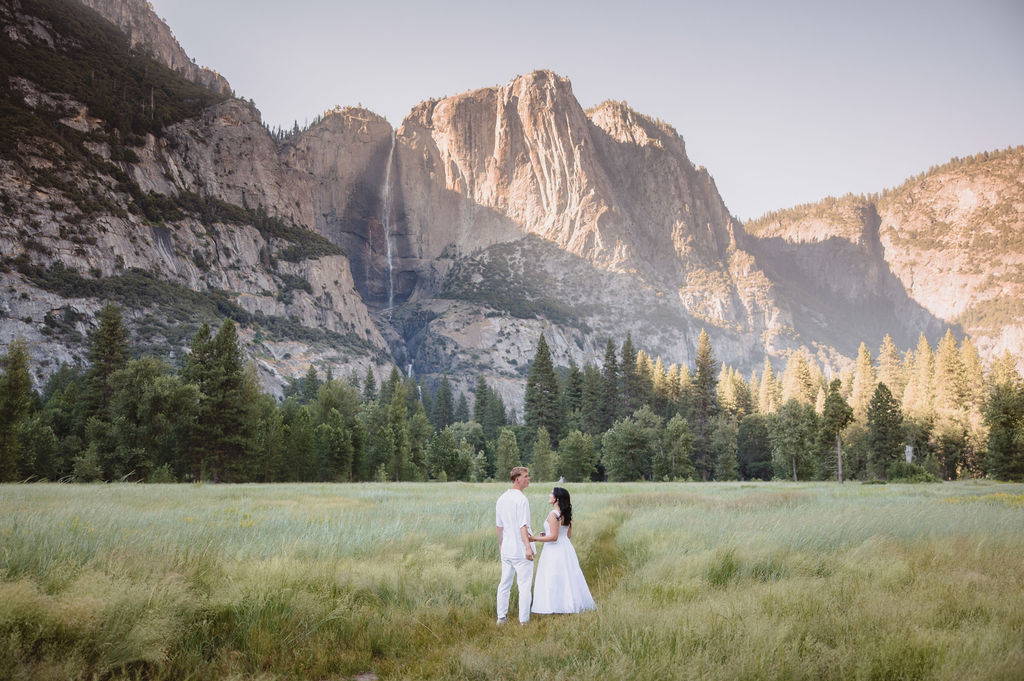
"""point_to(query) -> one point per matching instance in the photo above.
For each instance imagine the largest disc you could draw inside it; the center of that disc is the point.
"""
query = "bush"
(902, 471)
(163, 474)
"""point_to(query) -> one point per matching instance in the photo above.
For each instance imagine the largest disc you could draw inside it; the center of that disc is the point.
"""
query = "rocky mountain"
(111, 191)
(148, 32)
(950, 241)
(449, 244)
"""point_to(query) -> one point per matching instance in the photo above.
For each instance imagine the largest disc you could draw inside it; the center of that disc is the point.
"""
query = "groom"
(513, 519)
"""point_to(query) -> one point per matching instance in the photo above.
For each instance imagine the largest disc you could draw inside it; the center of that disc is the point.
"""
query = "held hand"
(529, 553)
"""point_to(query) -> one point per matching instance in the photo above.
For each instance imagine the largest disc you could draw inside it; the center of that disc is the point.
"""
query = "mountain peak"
(137, 19)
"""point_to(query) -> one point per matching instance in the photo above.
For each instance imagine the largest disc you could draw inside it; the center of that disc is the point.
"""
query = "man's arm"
(499, 528)
(525, 535)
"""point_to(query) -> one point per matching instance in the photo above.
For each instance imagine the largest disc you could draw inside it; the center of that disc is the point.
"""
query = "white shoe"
(501, 620)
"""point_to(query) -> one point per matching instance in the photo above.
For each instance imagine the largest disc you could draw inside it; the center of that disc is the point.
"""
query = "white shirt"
(511, 513)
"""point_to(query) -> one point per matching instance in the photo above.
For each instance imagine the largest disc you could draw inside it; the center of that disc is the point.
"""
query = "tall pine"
(543, 405)
(108, 353)
(16, 400)
(703, 406)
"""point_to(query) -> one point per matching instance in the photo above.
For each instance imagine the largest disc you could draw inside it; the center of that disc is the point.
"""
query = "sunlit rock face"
(944, 249)
(609, 185)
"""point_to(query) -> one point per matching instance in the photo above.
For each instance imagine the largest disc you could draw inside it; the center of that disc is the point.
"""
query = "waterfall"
(385, 221)
(419, 388)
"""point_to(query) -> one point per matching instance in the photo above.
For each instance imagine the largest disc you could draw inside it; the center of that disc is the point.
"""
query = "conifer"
(16, 400)
(885, 431)
(864, 382)
(542, 404)
(703, 405)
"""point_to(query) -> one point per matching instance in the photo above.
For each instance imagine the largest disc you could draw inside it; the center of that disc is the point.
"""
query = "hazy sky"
(783, 102)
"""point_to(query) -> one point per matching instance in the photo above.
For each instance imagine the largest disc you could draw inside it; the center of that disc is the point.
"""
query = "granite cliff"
(448, 244)
(150, 33)
(949, 241)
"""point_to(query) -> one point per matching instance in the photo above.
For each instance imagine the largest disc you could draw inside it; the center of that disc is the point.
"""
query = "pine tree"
(310, 384)
(885, 431)
(592, 403)
(754, 386)
(631, 388)
(16, 401)
(420, 431)
(673, 389)
(703, 405)
(918, 395)
(645, 380)
(394, 382)
(488, 409)
(864, 382)
(974, 374)
(108, 352)
(1003, 370)
(398, 415)
(610, 390)
(659, 388)
(444, 406)
(890, 369)
(369, 385)
(1004, 415)
(462, 409)
(796, 380)
(950, 379)
(836, 415)
(542, 404)
(480, 398)
(226, 419)
(769, 395)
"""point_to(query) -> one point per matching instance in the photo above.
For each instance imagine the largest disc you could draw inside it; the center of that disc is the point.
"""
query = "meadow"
(693, 581)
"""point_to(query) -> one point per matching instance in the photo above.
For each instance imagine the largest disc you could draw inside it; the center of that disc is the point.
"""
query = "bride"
(560, 586)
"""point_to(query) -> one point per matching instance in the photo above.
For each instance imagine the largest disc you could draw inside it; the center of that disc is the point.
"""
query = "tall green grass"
(708, 581)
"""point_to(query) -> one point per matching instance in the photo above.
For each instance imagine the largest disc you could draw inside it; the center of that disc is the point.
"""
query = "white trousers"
(522, 571)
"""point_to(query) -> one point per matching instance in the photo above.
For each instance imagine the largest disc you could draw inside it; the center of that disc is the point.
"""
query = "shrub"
(902, 471)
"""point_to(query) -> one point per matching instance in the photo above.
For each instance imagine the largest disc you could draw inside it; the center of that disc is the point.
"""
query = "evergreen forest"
(923, 415)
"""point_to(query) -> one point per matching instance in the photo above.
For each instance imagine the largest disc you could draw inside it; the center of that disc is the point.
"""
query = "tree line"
(631, 418)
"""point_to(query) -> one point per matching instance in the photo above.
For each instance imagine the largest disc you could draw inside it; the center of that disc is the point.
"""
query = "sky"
(784, 102)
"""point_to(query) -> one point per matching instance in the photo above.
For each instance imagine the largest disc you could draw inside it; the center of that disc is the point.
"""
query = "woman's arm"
(553, 524)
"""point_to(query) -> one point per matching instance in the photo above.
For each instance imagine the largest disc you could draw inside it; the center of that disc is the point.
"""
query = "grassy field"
(701, 581)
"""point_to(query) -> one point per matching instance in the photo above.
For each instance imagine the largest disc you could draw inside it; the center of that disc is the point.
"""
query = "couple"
(560, 587)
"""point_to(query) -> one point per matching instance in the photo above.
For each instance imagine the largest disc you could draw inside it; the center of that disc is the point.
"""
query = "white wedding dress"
(560, 586)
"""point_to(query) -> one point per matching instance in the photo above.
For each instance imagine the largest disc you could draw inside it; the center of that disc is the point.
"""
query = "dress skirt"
(560, 586)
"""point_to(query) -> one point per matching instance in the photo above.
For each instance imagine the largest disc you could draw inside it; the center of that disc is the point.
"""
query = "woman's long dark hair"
(564, 505)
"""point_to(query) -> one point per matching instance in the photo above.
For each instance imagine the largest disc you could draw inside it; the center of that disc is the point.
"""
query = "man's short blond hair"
(517, 472)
